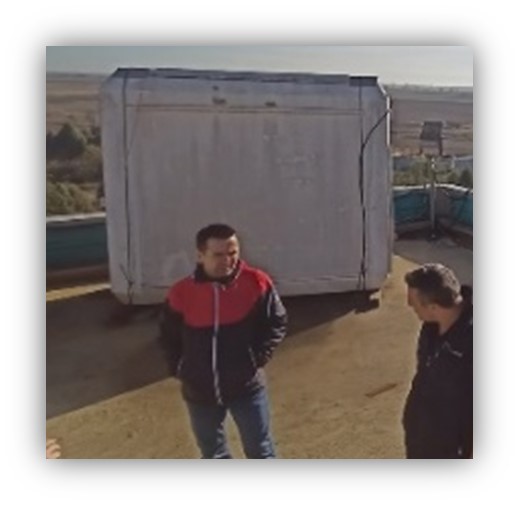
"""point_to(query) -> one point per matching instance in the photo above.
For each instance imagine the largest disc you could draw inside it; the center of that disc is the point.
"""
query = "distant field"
(74, 98)
(410, 108)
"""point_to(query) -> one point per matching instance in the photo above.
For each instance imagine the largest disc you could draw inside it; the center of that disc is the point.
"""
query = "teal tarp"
(76, 245)
(461, 210)
(410, 205)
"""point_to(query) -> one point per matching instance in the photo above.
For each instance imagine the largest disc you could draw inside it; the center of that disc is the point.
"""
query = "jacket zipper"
(216, 327)
(179, 366)
(253, 359)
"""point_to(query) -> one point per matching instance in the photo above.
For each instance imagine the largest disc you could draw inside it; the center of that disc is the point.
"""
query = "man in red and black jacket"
(219, 328)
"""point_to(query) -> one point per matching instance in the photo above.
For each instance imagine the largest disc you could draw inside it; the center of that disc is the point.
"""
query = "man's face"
(425, 311)
(220, 256)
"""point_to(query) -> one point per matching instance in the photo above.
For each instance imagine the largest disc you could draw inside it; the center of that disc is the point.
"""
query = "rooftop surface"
(337, 384)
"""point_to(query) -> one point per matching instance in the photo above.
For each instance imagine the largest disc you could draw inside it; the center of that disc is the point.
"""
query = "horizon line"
(103, 74)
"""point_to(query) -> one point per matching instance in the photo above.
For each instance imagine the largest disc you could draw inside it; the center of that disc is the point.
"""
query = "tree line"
(420, 173)
(74, 170)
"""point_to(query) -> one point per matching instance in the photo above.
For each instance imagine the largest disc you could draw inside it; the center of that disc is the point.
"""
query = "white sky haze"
(425, 65)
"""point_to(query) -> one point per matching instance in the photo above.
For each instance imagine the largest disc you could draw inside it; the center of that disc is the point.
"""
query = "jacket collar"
(456, 331)
(466, 293)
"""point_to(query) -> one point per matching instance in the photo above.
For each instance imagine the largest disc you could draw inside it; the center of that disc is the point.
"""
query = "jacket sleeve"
(170, 337)
(273, 326)
(467, 403)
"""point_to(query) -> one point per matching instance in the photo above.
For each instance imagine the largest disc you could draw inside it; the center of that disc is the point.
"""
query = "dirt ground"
(337, 383)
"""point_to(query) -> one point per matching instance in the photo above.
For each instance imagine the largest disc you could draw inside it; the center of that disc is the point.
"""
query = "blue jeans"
(251, 415)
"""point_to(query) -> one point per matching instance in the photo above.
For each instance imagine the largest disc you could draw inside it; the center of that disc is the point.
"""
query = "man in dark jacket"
(219, 328)
(438, 412)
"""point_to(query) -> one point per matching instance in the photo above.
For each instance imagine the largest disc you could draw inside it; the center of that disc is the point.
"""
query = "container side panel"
(287, 182)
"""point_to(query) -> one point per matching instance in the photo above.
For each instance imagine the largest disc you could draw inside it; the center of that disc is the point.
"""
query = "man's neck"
(448, 319)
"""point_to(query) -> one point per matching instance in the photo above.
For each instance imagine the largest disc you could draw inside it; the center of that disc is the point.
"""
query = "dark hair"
(221, 231)
(436, 284)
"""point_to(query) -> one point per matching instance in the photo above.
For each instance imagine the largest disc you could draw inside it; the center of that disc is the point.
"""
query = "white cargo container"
(299, 164)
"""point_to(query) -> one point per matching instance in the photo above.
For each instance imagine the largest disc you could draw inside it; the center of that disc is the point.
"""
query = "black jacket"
(438, 412)
(217, 336)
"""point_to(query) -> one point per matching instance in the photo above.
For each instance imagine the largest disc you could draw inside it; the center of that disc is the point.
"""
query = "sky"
(421, 65)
